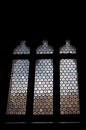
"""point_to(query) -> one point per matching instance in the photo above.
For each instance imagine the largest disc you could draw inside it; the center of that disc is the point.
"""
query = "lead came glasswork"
(43, 89)
(69, 93)
(45, 48)
(18, 88)
(67, 48)
(22, 49)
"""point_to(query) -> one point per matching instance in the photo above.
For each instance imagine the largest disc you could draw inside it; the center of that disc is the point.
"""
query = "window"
(69, 95)
(69, 91)
(43, 89)
(44, 83)
(19, 82)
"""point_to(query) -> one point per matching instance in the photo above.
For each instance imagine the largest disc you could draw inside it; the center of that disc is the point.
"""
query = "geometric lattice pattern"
(43, 89)
(22, 49)
(67, 48)
(45, 48)
(18, 88)
(69, 93)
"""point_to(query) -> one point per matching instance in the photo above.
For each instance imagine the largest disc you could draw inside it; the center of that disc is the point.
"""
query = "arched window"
(43, 88)
(44, 84)
(17, 97)
(69, 91)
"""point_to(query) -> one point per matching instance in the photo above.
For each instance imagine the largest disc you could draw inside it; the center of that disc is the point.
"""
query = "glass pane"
(22, 49)
(45, 48)
(67, 48)
(43, 90)
(69, 93)
(18, 87)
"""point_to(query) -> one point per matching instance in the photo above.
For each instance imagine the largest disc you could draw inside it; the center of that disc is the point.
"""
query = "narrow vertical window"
(43, 87)
(17, 96)
(69, 91)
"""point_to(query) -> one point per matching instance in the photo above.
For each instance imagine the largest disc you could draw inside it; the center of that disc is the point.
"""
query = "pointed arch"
(22, 49)
(44, 48)
(67, 48)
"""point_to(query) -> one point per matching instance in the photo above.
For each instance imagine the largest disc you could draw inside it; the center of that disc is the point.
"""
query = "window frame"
(56, 117)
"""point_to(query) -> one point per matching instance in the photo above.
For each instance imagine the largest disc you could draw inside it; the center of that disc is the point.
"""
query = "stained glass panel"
(45, 48)
(43, 89)
(69, 93)
(18, 87)
(22, 49)
(68, 48)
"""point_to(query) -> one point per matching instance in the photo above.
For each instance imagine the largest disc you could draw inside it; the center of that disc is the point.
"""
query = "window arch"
(43, 88)
(17, 96)
(69, 91)
(44, 48)
(67, 48)
(22, 49)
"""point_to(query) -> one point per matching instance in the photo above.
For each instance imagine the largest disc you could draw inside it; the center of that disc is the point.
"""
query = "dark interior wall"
(55, 22)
